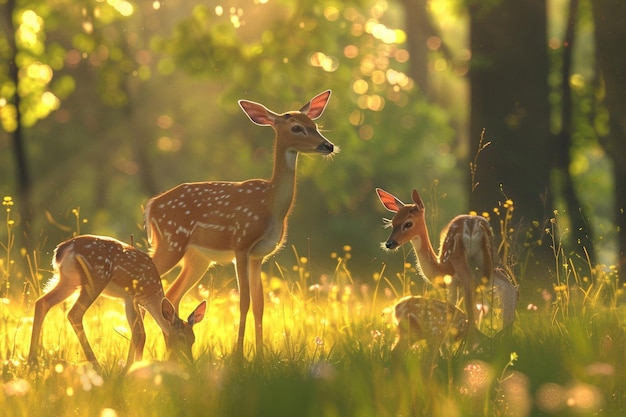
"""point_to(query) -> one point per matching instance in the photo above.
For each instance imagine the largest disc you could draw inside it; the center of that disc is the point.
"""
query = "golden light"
(378, 9)
(397, 78)
(331, 13)
(367, 65)
(40, 71)
(476, 378)
(402, 55)
(236, 15)
(164, 121)
(551, 397)
(108, 412)
(317, 58)
(351, 51)
(433, 43)
(356, 118)
(87, 27)
(50, 101)
(440, 64)
(326, 62)
(577, 81)
(122, 7)
(360, 86)
(27, 32)
(167, 144)
(361, 101)
(330, 64)
(375, 103)
(378, 77)
(383, 33)
(400, 36)
(32, 20)
(372, 26)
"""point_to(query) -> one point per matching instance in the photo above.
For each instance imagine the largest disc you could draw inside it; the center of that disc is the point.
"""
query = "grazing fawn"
(94, 265)
(198, 224)
(465, 253)
(440, 325)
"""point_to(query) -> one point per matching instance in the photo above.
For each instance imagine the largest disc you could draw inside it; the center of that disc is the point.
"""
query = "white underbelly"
(216, 256)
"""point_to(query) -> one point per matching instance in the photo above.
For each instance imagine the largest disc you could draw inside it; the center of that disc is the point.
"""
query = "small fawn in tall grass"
(93, 265)
(465, 253)
(435, 321)
(198, 224)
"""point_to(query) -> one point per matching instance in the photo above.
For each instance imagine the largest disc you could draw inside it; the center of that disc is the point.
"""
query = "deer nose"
(326, 148)
(391, 244)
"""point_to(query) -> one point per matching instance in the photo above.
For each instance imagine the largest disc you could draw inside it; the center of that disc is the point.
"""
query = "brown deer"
(94, 265)
(198, 224)
(465, 253)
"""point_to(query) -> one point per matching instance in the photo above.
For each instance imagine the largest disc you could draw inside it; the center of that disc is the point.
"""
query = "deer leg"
(75, 316)
(43, 304)
(243, 280)
(258, 301)
(194, 266)
(134, 315)
(464, 275)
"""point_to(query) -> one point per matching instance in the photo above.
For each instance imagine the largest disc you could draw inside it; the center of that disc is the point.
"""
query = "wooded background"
(104, 104)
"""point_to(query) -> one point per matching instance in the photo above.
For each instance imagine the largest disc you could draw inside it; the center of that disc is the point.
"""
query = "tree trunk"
(418, 30)
(610, 29)
(509, 99)
(580, 225)
(23, 180)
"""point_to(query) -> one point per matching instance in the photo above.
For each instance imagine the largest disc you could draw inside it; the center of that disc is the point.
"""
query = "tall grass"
(328, 341)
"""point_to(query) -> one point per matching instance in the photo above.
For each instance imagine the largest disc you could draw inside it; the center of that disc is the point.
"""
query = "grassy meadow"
(328, 353)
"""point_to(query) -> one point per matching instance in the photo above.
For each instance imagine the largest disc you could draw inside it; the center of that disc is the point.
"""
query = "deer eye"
(297, 129)
(407, 225)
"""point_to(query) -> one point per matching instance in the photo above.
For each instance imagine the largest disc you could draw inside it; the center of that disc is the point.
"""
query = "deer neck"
(426, 256)
(283, 181)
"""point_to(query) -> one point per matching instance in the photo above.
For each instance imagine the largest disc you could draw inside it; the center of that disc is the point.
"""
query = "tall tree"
(580, 224)
(610, 30)
(509, 99)
(22, 177)
(419, 29)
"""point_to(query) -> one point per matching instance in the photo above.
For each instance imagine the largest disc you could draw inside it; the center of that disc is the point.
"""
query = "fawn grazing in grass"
(441, 326)
(198, 224)
(94, 265)
(465, 253)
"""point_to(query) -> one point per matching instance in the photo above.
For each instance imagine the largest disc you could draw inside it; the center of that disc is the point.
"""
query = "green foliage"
(386, 129)
(129, 108)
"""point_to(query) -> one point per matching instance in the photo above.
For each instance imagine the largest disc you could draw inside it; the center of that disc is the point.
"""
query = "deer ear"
(168, 310)
(316, 106)
(198, 314)
(388, 200)
(417, 199)
(258, 113)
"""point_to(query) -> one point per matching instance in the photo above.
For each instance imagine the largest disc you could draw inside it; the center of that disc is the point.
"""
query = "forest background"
(104, 104)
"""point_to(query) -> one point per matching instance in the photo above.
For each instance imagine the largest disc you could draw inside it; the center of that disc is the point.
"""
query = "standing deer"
(198, 224)
(465, 252)
(94, 265)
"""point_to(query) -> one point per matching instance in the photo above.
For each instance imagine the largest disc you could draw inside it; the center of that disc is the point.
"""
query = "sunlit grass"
(328, 340)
